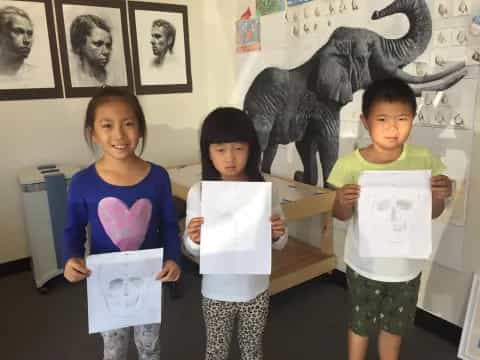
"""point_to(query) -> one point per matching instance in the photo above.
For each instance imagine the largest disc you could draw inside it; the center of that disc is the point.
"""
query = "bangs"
(230, 127)
(232, 133)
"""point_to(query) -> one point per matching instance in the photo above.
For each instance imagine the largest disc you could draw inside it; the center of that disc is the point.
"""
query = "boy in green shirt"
(383, 291)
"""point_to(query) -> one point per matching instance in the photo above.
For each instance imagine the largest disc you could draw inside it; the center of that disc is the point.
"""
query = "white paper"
(395, 214)
(236, 233)
(122, 290)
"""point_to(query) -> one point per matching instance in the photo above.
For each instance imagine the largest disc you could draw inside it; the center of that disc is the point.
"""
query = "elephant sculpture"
(303, 104)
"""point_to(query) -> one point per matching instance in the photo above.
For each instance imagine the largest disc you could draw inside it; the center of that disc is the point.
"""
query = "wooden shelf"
(297, 263)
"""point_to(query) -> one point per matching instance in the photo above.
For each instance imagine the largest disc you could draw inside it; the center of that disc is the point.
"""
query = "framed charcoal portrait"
(93, 45)
(160, 47)
(29, 67)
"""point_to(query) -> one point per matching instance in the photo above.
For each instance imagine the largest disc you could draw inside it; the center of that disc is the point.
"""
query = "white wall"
(50, 131)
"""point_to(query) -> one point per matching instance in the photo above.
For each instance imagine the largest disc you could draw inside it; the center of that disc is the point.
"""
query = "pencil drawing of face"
(236, 222)
(162, 39)
(91, 41)
(123, 290)
(16, 38)
(396, 212)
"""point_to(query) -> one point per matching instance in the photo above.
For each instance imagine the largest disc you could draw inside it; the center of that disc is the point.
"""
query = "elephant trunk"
(402, 51)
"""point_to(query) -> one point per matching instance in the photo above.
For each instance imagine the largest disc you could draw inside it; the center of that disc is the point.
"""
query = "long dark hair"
(224, 125)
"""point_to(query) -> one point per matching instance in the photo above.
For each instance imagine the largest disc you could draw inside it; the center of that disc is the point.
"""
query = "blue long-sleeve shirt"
(121, 218)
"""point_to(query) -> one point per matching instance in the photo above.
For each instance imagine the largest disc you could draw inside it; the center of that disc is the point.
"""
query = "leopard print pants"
(115, 342)
(220, 318)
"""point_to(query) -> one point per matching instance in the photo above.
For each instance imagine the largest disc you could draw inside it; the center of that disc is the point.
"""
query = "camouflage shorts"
(375, 305)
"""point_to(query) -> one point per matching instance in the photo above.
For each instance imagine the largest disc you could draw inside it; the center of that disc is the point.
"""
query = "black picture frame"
(174, 75)
(48, 71)
(77, 81)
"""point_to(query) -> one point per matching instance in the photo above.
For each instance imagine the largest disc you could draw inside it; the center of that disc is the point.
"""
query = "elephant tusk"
(413, 79)
(441, 84)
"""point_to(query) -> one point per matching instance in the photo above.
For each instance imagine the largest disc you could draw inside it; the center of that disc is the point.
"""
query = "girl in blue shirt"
(126, 201)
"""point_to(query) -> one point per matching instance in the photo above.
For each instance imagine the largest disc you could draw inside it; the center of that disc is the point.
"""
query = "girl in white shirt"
(230, 152)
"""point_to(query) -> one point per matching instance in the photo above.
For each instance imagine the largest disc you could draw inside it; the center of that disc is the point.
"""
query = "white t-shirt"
(224, 287)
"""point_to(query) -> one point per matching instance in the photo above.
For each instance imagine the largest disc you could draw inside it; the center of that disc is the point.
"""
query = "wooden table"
(298, 261)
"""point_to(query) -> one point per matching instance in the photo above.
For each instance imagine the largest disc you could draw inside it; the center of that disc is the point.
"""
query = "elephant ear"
(334, 72)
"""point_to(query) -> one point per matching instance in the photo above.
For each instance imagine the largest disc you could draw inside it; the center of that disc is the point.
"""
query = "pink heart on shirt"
(125, 227)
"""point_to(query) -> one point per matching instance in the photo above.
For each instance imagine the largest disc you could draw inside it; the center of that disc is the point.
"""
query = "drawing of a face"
(17, 39)
(160, 40)
(396, 211)
(123, 291)
(98, 47)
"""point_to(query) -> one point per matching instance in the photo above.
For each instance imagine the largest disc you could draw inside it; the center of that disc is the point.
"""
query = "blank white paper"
(236, 233)
(122, 290)
(395, 214)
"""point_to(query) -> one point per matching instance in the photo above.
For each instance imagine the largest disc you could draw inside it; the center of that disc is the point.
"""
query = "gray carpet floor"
(305, 322)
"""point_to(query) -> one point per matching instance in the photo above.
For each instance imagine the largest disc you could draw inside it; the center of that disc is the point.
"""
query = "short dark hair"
(7, 11)
(169, 28)
(390, 90)
(82, 26)
(105, 95)
(224, 125)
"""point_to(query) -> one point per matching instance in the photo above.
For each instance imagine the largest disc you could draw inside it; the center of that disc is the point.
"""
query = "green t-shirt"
(346, 171)
(349, 167)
